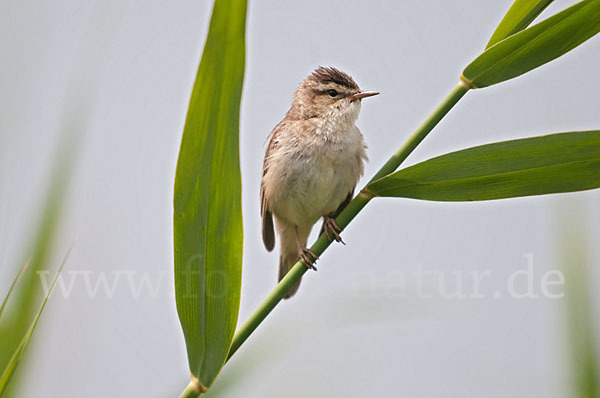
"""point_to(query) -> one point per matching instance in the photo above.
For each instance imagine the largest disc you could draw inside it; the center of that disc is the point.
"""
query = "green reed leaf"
(207, 200)
(535, 46)
(563, 162)
(517, 18)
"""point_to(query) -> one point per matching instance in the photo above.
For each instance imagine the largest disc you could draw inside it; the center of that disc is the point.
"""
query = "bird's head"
(328, 92)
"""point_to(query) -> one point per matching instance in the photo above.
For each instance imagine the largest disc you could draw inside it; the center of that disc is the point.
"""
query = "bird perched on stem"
(313, 161)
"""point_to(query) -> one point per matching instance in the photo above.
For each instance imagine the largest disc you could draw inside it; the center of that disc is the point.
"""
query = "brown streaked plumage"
(313, 161)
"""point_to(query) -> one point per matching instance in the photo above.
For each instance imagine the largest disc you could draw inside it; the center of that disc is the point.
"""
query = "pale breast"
(310, 176)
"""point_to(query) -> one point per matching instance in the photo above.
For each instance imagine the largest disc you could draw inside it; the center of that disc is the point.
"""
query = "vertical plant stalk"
(360, 201)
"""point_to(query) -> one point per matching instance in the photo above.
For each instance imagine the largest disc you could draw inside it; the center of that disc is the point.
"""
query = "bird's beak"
(363, 94)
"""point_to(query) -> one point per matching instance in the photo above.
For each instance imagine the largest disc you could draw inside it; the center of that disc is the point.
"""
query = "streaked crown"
(325, 76)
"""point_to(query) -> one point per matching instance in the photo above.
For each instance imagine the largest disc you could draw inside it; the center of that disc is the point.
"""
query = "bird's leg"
(304, 252)
(330, 226)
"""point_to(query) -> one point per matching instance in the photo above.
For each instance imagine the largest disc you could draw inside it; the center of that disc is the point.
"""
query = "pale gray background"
(128, 66)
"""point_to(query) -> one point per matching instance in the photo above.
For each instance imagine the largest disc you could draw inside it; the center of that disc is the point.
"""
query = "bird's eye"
(332, 93)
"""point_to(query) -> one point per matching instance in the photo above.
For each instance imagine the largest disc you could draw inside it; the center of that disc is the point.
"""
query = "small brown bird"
(313, 161)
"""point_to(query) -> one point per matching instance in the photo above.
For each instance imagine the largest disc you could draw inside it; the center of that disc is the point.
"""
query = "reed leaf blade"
(563, 162)
(207, 198)
(535, 46)
(518, 17)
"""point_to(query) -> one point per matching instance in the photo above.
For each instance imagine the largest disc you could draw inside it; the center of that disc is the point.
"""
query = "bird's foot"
(331, 227)
(304, 254)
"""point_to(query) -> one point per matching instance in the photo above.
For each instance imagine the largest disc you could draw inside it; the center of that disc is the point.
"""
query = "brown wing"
(268, 232)
(340, 208)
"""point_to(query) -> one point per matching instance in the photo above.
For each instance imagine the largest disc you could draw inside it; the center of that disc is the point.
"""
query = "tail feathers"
(286, 262)
(288, 240)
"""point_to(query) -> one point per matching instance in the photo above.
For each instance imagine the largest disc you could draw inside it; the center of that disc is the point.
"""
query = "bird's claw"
(331, 227)
(306, 260)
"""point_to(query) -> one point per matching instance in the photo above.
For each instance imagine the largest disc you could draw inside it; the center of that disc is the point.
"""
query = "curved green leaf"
(207, 200)
(535, 46)
(563, 162)
(517, 18)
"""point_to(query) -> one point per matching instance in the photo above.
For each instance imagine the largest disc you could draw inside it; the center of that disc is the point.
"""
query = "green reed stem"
(353, 208)
(191, 391)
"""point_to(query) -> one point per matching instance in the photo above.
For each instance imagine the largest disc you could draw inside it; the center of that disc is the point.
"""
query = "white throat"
(339, 121)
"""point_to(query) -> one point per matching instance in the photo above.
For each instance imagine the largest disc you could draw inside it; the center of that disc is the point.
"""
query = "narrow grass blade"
(535, 46)
(517, 18)
(14, 360)
(12, 286)
(563, 162)
(207, 201)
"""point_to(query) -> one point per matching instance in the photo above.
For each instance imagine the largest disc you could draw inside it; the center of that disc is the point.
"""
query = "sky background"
(122, 73)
